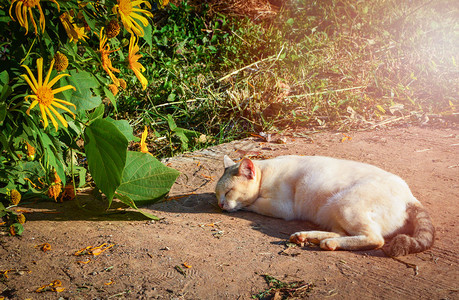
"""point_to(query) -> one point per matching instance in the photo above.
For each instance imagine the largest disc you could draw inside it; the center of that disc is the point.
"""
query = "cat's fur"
(358, 204)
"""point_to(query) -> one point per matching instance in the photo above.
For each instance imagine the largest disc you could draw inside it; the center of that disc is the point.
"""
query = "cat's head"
(239, 185)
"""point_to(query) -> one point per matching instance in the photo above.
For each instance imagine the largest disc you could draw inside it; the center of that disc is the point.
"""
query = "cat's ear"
(228, 161)
(247, 169)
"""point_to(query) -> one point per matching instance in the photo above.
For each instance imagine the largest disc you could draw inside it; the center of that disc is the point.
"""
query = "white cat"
(358, 204)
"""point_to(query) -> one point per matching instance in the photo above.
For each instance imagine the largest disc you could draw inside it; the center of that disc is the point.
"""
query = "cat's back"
(324, 170)
(295, 163)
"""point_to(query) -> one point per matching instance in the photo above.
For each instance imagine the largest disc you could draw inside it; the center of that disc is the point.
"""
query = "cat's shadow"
(277, 228)
(207, 203)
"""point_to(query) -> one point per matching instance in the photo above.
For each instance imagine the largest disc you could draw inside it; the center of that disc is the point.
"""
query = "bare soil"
(197, 252)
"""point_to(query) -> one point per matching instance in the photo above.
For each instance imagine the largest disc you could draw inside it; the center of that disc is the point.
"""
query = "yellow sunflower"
(104, 50)
(128, 11)
(74, 32)
(134, 65)
(44, 94)
(24, 6)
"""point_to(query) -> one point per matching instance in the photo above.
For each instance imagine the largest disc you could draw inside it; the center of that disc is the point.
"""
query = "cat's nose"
(220, 204)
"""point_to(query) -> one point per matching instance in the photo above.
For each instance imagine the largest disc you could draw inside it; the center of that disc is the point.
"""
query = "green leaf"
(145, 179)
(98, 113)
(18, 228)
(180, 132)
(110, 97)
(171, 123)
(125, 128)
(52, 154)
(3, 210)
(147, 34)
(90, 20)
(4, 78)
(85, 97)
(171, 97)
(105, 148)
(2, 111)
(128, 201)
(6, 91)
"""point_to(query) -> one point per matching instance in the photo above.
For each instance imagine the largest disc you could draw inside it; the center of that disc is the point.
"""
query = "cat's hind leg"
(334, 241)
(352, 230)
(357, 242)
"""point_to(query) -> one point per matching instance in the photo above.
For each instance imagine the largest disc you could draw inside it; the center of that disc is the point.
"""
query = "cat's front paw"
(301, 238)
(298, 238)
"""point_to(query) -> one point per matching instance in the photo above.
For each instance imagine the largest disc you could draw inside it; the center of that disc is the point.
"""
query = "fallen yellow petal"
(44, 247)
(109, 283)
(84, 262)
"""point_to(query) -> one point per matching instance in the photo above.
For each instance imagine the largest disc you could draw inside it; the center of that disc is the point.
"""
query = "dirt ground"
(197, 252)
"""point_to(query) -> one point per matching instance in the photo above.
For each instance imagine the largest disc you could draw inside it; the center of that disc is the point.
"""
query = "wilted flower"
(12, 230)
(104, 50)
(74, 32)
(30, 151)
(134, 65)
(123, 83)
(55, 188)
(163, 3)
(55, 286)
(113, 88)
(143, 145)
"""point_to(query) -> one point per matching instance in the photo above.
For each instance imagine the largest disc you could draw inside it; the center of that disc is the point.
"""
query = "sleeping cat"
(358, 204)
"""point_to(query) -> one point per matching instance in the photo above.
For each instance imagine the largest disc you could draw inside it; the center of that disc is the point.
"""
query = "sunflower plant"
(63, 65)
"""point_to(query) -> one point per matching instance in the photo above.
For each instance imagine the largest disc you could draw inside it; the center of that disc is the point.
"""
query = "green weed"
(281, 290)
(316, 64)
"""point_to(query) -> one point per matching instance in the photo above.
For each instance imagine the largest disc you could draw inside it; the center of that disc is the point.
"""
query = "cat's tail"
(423, 233)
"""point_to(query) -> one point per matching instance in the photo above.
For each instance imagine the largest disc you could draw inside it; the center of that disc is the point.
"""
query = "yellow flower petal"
(49, 73)
(35, 84)
(134, 65)
(56, 104)
(32, 86)
(43, 114)
(64, 88)
(143, 145)
(65, 102)
(56, 79)
(53, 120)
(63, 121)
(140, 18)
(40, 71)
(34, 103)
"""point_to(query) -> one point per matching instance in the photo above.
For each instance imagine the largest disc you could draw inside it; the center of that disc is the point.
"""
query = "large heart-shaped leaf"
(145, 179)
(125, 128)
(86, 96)
(105, 148)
